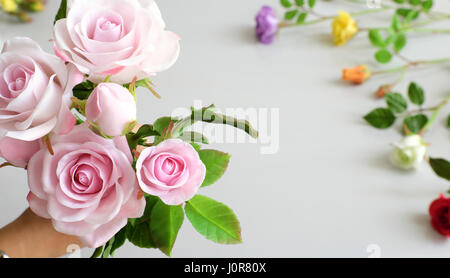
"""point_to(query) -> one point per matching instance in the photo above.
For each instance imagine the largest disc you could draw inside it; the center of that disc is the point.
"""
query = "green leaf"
(301, 18)
(416, 94)
(107, 251)
(289, 15)
(311, 3)
(441, 167)
(415, 2)
(286, 3)
(396, 102)
(396, 24)
(216, 163)
(119, 240)
(190, 136)
(138, 138)
(97, 252)
(399, 42)
(448, 121)
(427, 5)
(300, 3)
(376, 39)
(83, 90)
(403, 12)
(140, 235)
(138, 230)
(197, 147)
(146, 131)
(407, 13)
(213, 220)
(62, 11)
(380, 118)
(165, 223)
(399, 1)
(383, 56)
(416, 123)
(413, 14)
(162, 123)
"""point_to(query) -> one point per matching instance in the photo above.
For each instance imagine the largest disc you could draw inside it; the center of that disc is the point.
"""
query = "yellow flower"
(8, 5)
(344, 28)
(32, 5)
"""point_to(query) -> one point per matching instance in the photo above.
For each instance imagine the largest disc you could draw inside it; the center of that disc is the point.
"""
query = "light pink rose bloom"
(111, 107)
(88, 187)
(122, 38)
(35, 91)
(18, 152)
(171, 170)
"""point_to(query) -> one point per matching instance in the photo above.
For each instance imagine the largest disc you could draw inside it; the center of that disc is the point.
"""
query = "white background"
(330, 190)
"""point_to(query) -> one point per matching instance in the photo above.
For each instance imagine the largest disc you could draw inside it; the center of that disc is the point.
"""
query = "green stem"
(426, 22)
(428, 30)
(326, 18)
(435, 114)
(412, 64)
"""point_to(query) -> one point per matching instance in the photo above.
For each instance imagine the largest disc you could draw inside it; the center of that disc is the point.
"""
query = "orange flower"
(356, 75)
(383, 90)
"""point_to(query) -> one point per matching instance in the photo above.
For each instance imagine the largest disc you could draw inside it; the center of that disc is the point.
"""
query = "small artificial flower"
(383, 90)
(344, 28)
(357, 74)
(409, 152)
(440, 217)
(8, 6)
(266, 25)
(33, 5)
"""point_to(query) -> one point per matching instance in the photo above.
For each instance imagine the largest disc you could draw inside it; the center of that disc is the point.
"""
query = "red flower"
(440, 215)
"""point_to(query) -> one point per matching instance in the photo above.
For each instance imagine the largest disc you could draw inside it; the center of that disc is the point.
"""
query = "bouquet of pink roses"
(70, 121)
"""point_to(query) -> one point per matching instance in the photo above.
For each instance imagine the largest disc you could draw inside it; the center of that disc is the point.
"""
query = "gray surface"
(329, 191)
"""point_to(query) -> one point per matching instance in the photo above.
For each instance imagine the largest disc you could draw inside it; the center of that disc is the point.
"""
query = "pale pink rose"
(18, 152)
(35, 91)
(172, 170)
(122, 38)
(88, 187)
(111, 107)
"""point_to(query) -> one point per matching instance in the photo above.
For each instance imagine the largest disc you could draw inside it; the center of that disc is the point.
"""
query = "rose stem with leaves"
(412, 64)
(326, 18)
(436, 111)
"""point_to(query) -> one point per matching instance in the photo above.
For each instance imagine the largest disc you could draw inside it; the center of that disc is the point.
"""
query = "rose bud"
(171, 170)
(266, 25)
(439, 212)
(409, 153)
(111, 108)
(356, 75)
(383, 90)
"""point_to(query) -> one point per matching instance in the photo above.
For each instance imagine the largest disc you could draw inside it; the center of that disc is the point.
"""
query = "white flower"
(409, 152)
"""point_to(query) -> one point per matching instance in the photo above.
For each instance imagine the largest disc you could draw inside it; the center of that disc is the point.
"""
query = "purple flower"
(266, 25)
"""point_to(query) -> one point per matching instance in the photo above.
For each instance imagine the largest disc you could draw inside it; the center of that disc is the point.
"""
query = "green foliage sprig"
(160, 224)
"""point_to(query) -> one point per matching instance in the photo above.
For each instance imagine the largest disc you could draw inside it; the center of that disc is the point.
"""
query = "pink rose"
(111, 107)
(35, 90)
(122, 38)
(18, 152)
(88, 187)
(172, 170)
